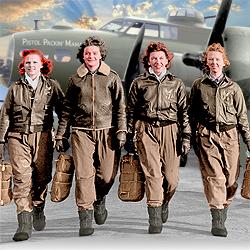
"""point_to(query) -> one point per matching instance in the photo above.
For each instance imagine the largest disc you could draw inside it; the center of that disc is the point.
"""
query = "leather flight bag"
(131, 179)
(6, 194)
(63, 177)
(245, 188)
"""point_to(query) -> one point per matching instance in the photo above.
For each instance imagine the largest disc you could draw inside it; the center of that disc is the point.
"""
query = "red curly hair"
(47, 63)
(156, 46)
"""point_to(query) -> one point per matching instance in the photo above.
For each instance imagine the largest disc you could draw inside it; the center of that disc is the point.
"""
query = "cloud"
(193, 2)
(215, 7)
(16, 10)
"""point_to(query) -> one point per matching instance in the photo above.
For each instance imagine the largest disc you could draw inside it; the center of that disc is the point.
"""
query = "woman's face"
(92, 57)
(158, 61)
(215, 62)
(32, 65)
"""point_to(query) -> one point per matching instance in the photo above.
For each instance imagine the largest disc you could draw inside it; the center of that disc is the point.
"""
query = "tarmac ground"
(188, 226)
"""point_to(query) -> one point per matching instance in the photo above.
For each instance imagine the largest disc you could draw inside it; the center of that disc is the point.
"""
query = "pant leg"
(148, 149)
(42, 151)
(21, 159)
(83, 148)
(231, 156)
(219, 164)
(106, 161)
(170, 158)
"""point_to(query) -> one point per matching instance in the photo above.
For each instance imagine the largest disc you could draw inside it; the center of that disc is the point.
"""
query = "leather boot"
(24, 229)
(219, 217)
(164, 213)
(100, 211)
(86, 217)
(155, 220)
(39, 218)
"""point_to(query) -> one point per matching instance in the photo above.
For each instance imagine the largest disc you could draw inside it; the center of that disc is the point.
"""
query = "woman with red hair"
(26, 120)
(158, 125)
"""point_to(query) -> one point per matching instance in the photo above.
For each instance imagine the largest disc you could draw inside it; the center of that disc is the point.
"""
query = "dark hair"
(156, 46)
(47, 63)
(218, 48)
(92, 41)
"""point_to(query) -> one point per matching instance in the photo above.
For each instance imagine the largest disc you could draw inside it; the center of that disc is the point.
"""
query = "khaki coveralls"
(26, 123)
(95, 107)
(218, 114)
(157, 114)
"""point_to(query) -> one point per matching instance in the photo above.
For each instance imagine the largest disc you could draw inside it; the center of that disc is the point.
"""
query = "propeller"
(220, 23)
(132, 68)
(195, 59)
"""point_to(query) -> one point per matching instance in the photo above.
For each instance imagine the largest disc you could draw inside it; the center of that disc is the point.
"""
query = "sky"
(19, 15)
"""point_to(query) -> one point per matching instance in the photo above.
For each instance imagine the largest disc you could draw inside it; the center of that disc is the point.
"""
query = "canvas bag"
(131, 179)
(245, 188)
(6, 183)
(63, 177)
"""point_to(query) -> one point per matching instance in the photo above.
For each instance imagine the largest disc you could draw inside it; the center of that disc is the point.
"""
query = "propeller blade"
(132, 68)
(220, 23)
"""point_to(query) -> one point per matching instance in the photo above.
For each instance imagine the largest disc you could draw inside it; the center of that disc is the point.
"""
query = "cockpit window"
(173, 12)
(169, 32)
(134, 29)
(190, 13)
(181, 12)
(62, 55)
(117, 25)
(151, 30)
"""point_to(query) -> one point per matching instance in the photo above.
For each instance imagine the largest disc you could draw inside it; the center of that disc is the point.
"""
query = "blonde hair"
(218, 48)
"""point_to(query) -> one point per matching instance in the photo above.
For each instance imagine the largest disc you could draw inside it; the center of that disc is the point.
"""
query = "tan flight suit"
(26, 122)
(219, 164)
(157, 150)
(97, 163)
(157, 114)
(218, 114)
(94, 106)
(31, 157)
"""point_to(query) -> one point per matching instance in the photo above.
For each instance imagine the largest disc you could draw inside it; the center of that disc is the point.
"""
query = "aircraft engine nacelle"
(237, 45)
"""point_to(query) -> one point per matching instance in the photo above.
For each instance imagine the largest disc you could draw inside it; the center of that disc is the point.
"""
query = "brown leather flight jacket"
(28, 111)
(163, 101)
(219, 106)
(93, 101)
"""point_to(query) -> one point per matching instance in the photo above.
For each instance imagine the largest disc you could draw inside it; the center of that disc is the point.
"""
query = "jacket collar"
(83, 70)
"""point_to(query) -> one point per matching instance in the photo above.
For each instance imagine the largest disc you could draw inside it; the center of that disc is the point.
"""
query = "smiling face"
(92, 57)
(32, 65)
(215, 62)
(158, 61)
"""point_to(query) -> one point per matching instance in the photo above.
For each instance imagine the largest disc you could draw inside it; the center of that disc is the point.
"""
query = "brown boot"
(86, 217)
(24, 229)
(155, 220)
(39, 219)
(219, 217)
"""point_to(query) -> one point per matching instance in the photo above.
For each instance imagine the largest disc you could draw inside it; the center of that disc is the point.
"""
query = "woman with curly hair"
(158, 127)
(218, 114)
(26, 120)
(94, 106)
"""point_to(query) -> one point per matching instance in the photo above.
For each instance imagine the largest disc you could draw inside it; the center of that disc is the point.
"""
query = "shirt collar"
(216, 79)
(163, 73)
(34, 82)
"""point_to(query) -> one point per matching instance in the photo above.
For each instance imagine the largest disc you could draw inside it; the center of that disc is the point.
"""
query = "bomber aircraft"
(184, 32)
